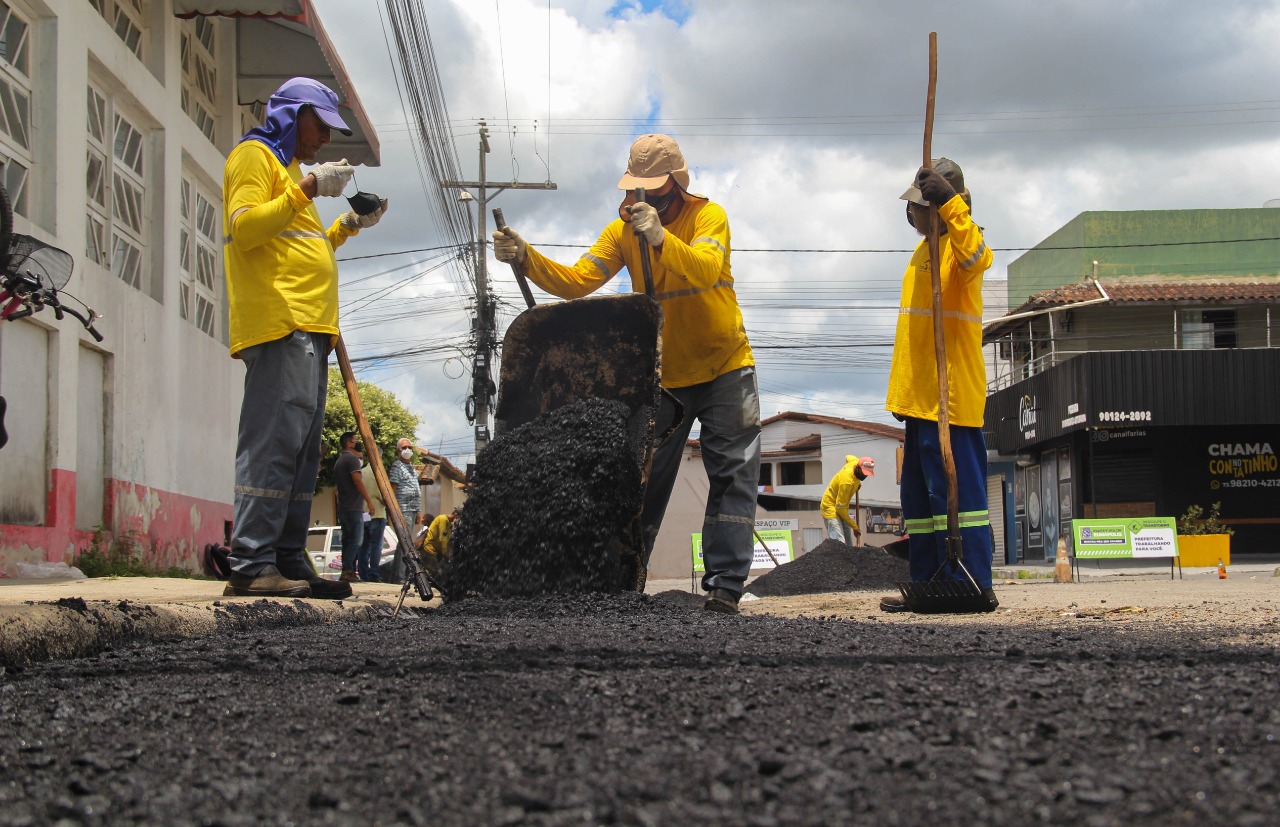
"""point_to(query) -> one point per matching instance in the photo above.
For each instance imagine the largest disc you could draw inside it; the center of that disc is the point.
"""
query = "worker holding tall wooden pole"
(943, 424)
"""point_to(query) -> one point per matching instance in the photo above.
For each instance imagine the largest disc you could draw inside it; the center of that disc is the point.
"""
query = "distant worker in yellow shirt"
(707, 361)
(435, 546)
(839, 493)
(282, 293)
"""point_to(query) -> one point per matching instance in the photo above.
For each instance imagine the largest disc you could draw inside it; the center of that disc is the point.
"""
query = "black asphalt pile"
(832, 567)
(547, 499)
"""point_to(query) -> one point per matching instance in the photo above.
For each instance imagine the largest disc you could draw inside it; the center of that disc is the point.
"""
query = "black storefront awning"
(1153, 388)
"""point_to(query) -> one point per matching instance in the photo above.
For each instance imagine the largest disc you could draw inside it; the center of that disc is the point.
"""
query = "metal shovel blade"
(945, 597)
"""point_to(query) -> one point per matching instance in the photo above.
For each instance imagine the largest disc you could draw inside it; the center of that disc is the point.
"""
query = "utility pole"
(486, 336)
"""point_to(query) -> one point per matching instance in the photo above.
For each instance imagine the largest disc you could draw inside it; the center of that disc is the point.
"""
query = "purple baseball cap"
(319, 97)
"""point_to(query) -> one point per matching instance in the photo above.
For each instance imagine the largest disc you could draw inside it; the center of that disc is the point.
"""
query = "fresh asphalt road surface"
(643, 710)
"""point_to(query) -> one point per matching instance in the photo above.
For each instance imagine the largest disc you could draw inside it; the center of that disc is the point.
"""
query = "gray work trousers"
(278, 447)
(728, 408)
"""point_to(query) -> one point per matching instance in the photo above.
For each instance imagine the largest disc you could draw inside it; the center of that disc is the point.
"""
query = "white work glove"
(332, 178)
(645, 222)
(509, 246)
(352, 220)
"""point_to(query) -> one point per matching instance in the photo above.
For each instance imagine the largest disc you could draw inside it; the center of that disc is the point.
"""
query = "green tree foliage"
(389, 420)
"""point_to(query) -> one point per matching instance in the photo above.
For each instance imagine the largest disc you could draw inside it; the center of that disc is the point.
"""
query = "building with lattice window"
(116, 118)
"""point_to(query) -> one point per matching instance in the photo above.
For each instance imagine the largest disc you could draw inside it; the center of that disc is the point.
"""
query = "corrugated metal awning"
(281, 39)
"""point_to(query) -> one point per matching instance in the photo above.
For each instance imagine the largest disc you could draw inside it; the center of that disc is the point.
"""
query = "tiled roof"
(875, 428)
(1154, 290)
(811, 442)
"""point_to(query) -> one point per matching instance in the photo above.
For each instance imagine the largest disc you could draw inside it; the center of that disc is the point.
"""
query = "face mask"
(406, 454)
(662, 202)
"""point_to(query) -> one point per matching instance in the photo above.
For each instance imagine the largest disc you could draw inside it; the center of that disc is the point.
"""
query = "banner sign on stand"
(779, 541)
(1126, 537)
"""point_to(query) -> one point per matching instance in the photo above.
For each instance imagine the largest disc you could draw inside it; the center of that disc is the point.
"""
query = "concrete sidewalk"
(45, 619)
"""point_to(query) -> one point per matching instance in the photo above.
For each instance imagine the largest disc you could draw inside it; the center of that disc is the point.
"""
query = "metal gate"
(995, 507)
(813, 538)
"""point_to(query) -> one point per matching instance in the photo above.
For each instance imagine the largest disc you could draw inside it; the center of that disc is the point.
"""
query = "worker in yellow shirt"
(282, 295)
(707, 363)
(913, 384)
(435, 546)
(839, 493)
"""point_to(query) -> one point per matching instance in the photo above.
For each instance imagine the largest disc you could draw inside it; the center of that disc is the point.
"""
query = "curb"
(74, 627)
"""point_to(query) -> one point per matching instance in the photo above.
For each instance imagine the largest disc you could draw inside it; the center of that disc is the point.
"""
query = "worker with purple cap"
(707, 363)
(282, 294)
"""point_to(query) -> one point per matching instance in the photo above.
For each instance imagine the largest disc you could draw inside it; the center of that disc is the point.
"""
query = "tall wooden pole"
(939, 336)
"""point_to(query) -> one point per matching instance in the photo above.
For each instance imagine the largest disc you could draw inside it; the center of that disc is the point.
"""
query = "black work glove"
(934, 187)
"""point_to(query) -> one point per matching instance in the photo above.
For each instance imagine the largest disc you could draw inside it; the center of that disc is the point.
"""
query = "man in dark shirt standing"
(352, 499)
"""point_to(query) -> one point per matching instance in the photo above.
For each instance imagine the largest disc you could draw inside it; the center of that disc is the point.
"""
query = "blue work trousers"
(728, 408)
(352, 524)
(278, 447)
(924, 502)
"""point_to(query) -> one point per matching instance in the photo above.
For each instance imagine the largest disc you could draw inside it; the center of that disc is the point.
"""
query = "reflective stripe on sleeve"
(973, 259)
(594, 260)
(692, 291)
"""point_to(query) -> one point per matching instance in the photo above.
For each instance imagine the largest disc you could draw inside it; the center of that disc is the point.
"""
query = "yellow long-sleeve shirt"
(835, 500)
(437, 539)
(280, 268)
(703, 334)
(913, 377)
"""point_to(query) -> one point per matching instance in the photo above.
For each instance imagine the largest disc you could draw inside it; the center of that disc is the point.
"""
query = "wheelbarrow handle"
(645, 264)
(501, 224)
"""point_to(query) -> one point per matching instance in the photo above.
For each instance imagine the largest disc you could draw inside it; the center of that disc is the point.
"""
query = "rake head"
(947, 597)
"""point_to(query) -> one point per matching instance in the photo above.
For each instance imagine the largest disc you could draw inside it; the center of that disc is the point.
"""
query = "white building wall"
(168, 394)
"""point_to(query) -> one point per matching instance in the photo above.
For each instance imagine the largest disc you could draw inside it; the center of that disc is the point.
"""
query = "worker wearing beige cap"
(707, 361)
(839, 493)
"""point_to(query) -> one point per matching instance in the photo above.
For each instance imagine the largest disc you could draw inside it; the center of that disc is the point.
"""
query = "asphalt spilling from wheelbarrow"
(547, 500)
(636, 710)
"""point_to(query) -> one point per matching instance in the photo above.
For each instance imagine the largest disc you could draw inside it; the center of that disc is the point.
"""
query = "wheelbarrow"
(601, 347)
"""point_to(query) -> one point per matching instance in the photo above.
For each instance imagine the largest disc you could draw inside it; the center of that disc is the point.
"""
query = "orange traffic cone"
(1222, 570)
(1062, 563)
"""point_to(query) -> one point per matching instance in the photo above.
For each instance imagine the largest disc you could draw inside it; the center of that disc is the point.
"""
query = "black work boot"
(267, 583)
(723, 601)
(296, 566)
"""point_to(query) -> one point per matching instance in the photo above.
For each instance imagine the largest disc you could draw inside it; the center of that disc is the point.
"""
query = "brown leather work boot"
(722, 601)
(267, 583)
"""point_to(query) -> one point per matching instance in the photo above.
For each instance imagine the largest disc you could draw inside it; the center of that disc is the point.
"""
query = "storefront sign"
(778, 525)
(1126, 537)
(779, 543)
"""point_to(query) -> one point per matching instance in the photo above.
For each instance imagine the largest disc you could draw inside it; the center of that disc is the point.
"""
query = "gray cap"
(945, 167)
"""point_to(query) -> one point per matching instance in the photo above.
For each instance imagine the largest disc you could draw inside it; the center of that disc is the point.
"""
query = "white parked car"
(324, 547)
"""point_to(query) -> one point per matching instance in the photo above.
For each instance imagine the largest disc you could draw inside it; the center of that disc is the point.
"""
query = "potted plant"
(1203, 540)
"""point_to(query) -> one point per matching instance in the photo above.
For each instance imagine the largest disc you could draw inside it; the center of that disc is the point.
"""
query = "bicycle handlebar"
(59, 309)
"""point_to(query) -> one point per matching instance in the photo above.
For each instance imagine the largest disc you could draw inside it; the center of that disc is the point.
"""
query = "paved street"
(1120, 700)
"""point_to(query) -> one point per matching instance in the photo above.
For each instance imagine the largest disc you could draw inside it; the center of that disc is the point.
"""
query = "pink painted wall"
(171, 529)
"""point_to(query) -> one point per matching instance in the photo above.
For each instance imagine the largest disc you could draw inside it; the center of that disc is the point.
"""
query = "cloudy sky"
(805, 121)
